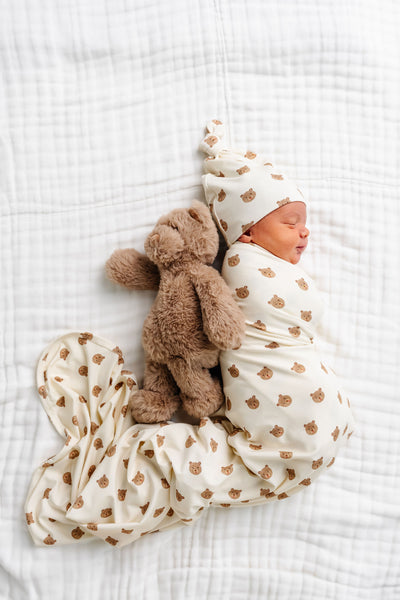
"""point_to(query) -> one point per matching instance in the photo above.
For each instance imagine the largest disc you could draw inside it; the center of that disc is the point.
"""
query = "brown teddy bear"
(193, 317)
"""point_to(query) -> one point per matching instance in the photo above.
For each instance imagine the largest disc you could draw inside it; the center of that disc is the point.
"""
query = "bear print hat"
(241, 187)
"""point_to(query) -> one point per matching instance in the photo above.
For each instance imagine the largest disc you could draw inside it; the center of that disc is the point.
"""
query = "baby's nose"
(305, 232)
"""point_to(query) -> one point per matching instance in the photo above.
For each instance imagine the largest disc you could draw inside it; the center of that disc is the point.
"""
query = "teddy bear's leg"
(201, 394)
(158, 399)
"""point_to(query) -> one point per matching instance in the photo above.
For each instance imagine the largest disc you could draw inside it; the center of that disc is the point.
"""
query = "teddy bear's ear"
(195, 214)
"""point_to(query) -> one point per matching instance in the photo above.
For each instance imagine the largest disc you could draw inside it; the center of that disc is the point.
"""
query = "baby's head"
(282, 232)
(251, 200)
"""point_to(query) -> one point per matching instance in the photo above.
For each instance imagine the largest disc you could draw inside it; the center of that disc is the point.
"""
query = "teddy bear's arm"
(133, 270)
(223, 321)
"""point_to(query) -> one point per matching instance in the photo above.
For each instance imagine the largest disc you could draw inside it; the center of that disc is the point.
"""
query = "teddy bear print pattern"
(284, 422)
(114, 479)
(290, 413)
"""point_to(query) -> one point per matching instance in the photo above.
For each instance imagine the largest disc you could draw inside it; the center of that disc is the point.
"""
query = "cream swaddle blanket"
(286, 420)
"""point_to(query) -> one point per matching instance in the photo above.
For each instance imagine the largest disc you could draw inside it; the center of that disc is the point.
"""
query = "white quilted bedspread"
(102, 107)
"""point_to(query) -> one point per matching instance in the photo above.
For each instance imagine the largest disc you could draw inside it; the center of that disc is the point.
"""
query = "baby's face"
(282, 232)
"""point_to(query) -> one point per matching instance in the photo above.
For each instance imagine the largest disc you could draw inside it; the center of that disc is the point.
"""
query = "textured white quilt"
(102, 107)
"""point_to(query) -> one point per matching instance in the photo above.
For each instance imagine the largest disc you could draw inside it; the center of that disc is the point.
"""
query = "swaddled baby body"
(288, 403)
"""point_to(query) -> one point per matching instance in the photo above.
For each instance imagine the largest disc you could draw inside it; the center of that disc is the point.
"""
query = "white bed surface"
(102, 108)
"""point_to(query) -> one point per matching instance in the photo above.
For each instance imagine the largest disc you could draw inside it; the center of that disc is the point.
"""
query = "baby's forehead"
(297, 209)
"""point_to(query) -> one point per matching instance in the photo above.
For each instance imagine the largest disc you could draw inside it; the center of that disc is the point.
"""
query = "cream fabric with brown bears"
(292, 413)
(117, 481)
(241, 187)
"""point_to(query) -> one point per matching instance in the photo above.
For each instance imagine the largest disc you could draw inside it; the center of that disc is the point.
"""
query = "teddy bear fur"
(193, 317)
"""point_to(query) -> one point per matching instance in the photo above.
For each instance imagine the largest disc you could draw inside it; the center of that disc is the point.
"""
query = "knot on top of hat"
(212, 142)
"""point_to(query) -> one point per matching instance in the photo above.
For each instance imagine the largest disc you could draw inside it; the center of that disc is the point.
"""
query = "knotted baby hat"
(241, 187)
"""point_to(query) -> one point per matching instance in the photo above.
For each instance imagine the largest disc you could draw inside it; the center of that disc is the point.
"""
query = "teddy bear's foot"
(152, 407)
(205, 404)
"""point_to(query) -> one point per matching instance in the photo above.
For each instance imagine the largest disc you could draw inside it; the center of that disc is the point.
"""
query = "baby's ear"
(245, 237)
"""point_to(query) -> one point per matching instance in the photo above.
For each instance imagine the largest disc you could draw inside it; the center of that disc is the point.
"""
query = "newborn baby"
(288, 404)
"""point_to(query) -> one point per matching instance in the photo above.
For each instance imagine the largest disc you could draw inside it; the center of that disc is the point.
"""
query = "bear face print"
(29, 518)
(306, 315)
(98, 358)
(83, 370)
(234, 494)
(242, 292)
(228, 403)
(98, 443)
(247, 226)
(78, 502)
(91, 470)
(265, 472)
(285, 454)
(303, 285)
(266, 493)
(294, 331)
(248, 196)
(213, 445)
(335, 433)
(195, 467)
(243, 170)
(138, 479)
(190, 441)
(265, 373)
(277, 431)
(227, 470)
(67, 478)
(96, 391)
(255, 446)
(223, 224)
(77, 533)
(234, 260)
(267, 272)
(298, 368)
(318, 395)
(291, 474)
(106, 512)
(211, 140)
(234, 371)
(103, 482)
(165, 483)
(250, 155)
(306, 481)
(144, 508)
(276, 302)
(207, 494)
(311, 428)
(221, 196)
(277, 176)
(284, 400)
(64, 353)
(61, 402)
(272, 345)
(122, 495)
(253, 402)
(283, 202)
(49, 541)
(317, 463)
